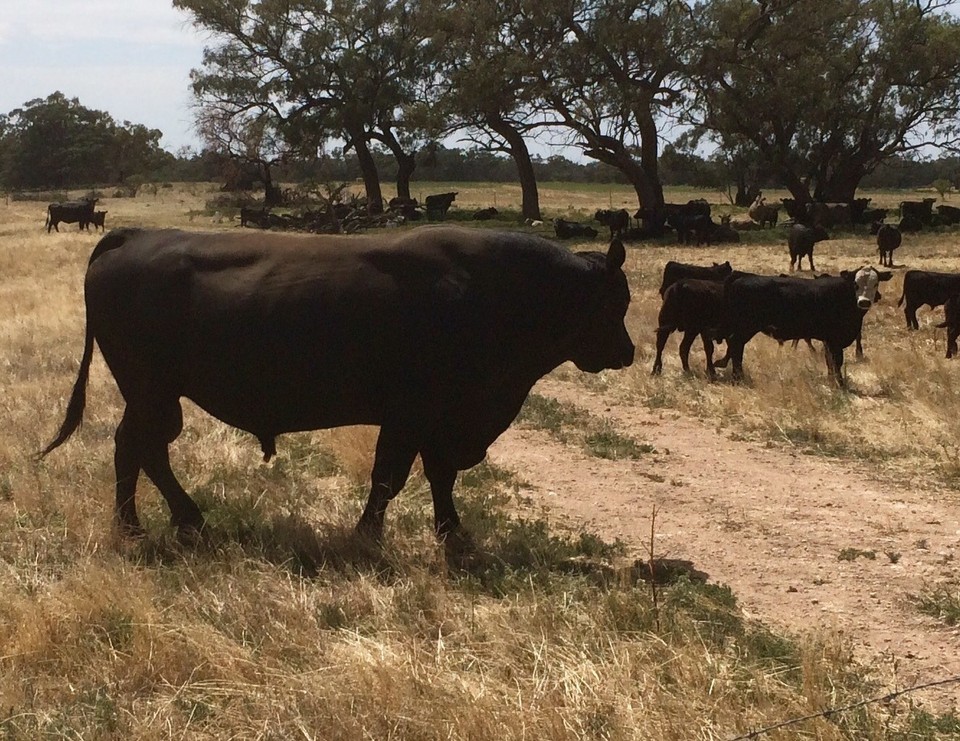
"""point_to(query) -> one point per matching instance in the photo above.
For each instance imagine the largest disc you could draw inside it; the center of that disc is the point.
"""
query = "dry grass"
(283, 627)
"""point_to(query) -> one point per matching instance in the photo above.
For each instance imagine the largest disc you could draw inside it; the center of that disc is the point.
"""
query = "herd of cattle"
(721, 304)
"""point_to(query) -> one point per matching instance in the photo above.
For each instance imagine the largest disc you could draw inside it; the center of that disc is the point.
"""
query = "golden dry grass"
(283, 627)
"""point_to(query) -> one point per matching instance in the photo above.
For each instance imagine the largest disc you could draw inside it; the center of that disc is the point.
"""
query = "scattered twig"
(832, 711)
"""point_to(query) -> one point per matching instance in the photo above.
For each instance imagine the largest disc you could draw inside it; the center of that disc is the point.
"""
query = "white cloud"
(130, 58)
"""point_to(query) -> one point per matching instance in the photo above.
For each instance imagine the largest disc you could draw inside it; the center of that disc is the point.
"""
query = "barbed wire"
(833, 711)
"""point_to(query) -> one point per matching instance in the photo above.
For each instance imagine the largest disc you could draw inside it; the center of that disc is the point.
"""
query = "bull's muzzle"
(864, 303)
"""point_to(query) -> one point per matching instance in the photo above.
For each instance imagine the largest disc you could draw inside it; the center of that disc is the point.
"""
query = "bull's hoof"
(131, 530)
(460, 549)
(371, 532)
(191, 533)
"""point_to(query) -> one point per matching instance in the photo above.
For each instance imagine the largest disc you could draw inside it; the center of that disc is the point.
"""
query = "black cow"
(258, 217)
(948, 214)
(693, 307)
(437, 205)
(925, 287)
(98, 219)
(685, 217)
(436, 335)
(801, 240)
(572, 229)
(910, 224)
(70, 212)
(674, 271)
(618, 220)
(888, 239)
(484, 214)
(787, 308)
(922, 211)
(951, 320)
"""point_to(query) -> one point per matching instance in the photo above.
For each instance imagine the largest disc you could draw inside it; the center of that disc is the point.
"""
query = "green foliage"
(567, 423)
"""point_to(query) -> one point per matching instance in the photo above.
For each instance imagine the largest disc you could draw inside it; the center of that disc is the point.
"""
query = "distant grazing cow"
(693, 307)
(795, 209)
(948, 214)
(787, 308)
(922, 211)
(910, 224)
(888, 239)
(436, 334)
(801, 240)
(872, 216)
(485, 213)
(684, 217)
(763, 214)
(951, 320)
(618, 220)
(674, 271)
(97, 220)
(438, 205)
(925, 287)
(70, 212)
(258, 217)
(571, 229)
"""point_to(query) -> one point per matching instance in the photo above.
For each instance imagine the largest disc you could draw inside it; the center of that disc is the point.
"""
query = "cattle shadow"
(287, 541)
(497, 566)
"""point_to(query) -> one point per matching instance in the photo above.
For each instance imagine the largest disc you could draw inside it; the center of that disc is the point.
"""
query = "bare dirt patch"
(772, 523)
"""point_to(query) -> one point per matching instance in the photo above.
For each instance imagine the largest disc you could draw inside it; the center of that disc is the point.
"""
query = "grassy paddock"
(283, 626)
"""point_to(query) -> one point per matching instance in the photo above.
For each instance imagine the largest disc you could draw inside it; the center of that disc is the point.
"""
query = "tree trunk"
(530, 196)
(368, 170)
(271, 194)
(649, 191)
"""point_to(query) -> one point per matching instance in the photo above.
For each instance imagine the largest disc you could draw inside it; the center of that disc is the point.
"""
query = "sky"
(130, 58)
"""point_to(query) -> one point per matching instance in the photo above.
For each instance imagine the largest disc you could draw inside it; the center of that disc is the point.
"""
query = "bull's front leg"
(834, 357)
(391, 468)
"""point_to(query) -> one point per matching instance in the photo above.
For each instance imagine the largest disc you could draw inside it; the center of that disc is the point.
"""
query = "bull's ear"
(885, 274)
(846, 274)
(616, 255)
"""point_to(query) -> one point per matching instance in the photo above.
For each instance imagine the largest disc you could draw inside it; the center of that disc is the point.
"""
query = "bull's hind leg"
(662, 334)
(442, 477)
(126, 461)
(689, 336)
(391, 467)
(146, 436)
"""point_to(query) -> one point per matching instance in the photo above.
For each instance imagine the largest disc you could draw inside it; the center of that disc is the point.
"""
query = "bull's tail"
(46, 223)
(902, 295)
(941, 325)
(78, 399)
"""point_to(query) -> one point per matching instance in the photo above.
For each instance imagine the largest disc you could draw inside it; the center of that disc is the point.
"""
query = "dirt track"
(769, 522)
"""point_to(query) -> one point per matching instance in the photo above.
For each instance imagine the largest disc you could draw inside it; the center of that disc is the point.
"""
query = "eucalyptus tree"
(483, 84)
(825, 92)
(309, 73)
(609, 73)
(57, 142)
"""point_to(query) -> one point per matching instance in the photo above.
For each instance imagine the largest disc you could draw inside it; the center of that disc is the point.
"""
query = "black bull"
(436, 335)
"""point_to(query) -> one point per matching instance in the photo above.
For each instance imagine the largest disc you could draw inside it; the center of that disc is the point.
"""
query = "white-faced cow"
(70, 212)
(436, 335)
(926, 287)
(829, 309)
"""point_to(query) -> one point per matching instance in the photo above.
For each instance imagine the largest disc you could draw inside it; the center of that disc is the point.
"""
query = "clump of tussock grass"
(941, 601)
